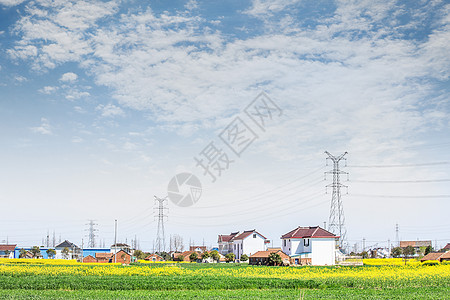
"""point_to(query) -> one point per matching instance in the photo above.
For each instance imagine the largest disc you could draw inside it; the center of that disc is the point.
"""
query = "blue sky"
(103, 102)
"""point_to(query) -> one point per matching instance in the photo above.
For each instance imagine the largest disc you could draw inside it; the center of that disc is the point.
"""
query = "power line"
(401, 181)
(92, 234)
(404, 165)
(402, 196)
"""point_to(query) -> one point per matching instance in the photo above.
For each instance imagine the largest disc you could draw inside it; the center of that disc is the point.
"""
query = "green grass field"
(222, 281)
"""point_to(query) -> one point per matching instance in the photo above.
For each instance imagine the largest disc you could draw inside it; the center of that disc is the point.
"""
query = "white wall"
(250, 245)
(323, 251)
(253, 245)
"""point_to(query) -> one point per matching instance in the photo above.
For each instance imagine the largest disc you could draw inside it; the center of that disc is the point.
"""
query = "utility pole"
(336, 222)
(47, 239)
(396, 235)
(92, 234)
(160, 237)
(364, 244)
(115, 240)
(54, 239)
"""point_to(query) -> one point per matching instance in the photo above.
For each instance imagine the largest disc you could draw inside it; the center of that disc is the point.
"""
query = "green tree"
(193, 256)
(408, 251)
(230, 257)
(22, 253)
(428, 250)
(65, 253)
(206, 255)
(396, 252)
(7, 252)
(36, 251)
(215, 255)
(244, 257)
(51, 253)
(139, 254)
(364, 254)
(166, 256)
(180, 258)
(274, 259)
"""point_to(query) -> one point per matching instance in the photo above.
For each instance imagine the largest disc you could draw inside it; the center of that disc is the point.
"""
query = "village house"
(436, 256)
(247, 242)
(7, 251)
(154, 257)
(121, 257)
(310, 245)
(225, 242)
(74, 252)
(262, 257)
(417, 245)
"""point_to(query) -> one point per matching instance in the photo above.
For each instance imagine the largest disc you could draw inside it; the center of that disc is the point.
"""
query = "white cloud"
(69, 77)
(110, 110)
(76, 94)
(48, 89)
(77, 139)
(262, 8)
(20, 78)
(44, 128)
(11, 2)
(191, 5)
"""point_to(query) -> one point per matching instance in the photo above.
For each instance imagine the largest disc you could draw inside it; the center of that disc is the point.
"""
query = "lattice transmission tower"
(336, 222)
(160, 236)
(91, 235)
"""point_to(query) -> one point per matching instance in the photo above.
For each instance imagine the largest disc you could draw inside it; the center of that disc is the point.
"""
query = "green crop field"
(36, 280)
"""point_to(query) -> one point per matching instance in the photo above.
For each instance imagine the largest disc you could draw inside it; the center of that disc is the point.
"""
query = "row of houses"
(119, 252)
(302, 245)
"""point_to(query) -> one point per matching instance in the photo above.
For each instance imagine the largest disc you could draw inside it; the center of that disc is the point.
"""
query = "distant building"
(437, 256)
(415, 244)
(89, 259)
(154, 257)
(121, 246)
(225, 242)
(7, 251)
(122, 257)
(313, 244)
(74, 251)
(446, 247)
(247, 242)
(262, 257)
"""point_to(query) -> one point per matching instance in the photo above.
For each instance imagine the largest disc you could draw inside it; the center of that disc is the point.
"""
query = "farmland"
(33, 278)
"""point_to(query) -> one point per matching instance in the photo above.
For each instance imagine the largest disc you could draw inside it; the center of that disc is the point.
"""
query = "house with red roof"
(7, 251)
(314, 244)
(247, 242)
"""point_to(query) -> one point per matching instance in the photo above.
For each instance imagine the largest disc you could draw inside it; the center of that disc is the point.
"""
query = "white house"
(73, 253)
(247, 242)
(311, 245)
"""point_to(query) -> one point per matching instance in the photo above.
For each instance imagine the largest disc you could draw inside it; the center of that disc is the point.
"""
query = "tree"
(428, 250)
(408, 251)
(230, 257)
(139, 254)
(396, 252)
(51, 253)
(206, 255)
(244, 257)
(274, 259)
(193, 256)
(65, 252)
(215, 255)
(166, 256)
(22, 253)
(364, 254)
(176, 243)
(36, 251)
(180, 258)
(7, 252)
